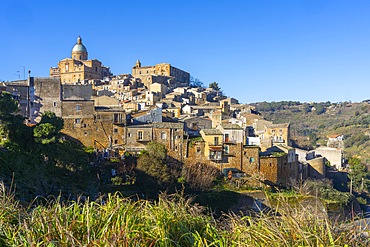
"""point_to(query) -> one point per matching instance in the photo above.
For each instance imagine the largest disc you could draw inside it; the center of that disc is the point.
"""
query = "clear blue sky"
(305, 50)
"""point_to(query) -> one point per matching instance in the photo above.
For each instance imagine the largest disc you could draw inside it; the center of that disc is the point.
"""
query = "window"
(117, 118)
(198, 149)
(226, 149)
(215, 155)
(216, 141)
(115, 130)
(54, 104)
(140, 135)
(129, 134)
(227, 137)
(115, 141)
(66, 66)
(251, 159)
(78, 107)
(163, 135)
(78, 121)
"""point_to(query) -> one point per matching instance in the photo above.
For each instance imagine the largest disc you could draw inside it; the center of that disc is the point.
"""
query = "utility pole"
(28, 96)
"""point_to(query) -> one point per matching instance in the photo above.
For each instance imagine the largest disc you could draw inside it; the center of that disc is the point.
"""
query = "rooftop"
(211, 131)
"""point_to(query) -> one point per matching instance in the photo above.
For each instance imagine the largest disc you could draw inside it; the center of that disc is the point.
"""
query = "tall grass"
(173, 220)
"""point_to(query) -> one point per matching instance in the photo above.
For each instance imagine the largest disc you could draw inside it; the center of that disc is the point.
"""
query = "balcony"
(215, 144)
(278, 139)
(229, 140)
(138, 139)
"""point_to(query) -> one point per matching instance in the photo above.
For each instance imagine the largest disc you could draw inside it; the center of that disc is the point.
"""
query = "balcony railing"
(278, 140)
(143, 139)
(214, 143)
(230, 140)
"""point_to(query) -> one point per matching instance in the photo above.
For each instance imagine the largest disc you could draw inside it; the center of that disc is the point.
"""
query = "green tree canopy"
(359, 174)
(153, 163)
(214, 85)
(48, 130)
(195, 82)
(7, 105)
(12, 125)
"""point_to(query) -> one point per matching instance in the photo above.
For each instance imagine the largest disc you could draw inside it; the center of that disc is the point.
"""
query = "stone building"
(333, 155)
(98, 127)
(78, 69)
(36, 96)
(167, 133)
(213, 139)
(162, 73)
(278, 167)
(194, 124)
(278, 133)
(250, 160)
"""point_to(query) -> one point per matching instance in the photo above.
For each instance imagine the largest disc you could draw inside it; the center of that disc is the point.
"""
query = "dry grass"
(171, 221)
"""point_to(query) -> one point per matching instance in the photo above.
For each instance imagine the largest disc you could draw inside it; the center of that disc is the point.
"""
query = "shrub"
(199, 176)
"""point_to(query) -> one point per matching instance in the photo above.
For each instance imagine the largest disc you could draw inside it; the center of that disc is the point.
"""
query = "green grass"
(171, 221)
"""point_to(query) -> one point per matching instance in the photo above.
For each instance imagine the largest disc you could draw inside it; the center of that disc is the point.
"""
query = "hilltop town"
(120, 114)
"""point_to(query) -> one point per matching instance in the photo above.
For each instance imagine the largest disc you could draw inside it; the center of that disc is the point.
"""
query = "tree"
(214, 85)
(12, 125)
(359, 174)
(48, 130)
(152, 162)
(195, 82)
(7, 105)
(320, 109)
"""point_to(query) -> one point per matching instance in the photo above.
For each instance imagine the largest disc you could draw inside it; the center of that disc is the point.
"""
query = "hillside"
(311, 123)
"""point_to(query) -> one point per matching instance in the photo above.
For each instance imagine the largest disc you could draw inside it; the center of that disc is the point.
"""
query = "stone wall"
(250, 162)
(47, 96)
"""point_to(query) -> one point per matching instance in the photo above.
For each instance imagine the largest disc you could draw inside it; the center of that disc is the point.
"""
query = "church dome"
(79, 47)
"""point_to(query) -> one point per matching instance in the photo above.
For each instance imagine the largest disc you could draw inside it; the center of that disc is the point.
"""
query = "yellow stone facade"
(278, 133)
(162, 73)
(78, 68)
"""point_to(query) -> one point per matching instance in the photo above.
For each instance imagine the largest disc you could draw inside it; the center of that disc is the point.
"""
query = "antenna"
(17, 74)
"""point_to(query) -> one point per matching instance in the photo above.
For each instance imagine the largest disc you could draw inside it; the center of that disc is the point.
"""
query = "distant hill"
(312, 123)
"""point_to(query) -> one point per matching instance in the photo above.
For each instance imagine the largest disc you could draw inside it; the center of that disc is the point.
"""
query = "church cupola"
(79, 51)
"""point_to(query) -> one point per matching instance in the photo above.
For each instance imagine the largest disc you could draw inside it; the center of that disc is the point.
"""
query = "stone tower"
(138, 64)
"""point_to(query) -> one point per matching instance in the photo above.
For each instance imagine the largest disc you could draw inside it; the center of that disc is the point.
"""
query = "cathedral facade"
(78, 68)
